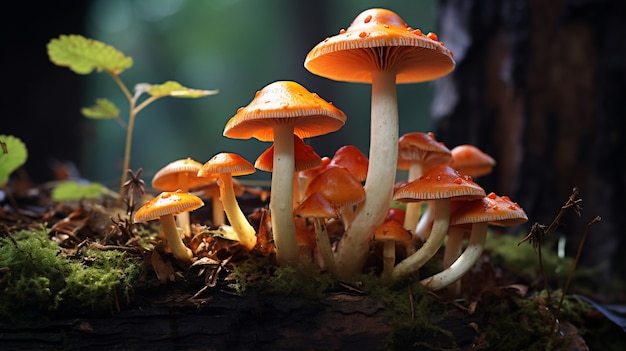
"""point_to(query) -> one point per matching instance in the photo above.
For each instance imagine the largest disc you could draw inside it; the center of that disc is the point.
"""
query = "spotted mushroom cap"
(494, 209)
(284, 102)
(378, 39)
(470, 160)
(439, 182)
(227, 162)
(167, 203)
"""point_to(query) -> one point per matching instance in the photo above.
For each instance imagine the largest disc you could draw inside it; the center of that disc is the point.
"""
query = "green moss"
(37, 279)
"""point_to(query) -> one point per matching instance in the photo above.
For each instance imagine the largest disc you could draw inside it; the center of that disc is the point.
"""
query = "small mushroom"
(180, 174)
(470, 160)
(164, 207)
(389, 234)
(226, 165)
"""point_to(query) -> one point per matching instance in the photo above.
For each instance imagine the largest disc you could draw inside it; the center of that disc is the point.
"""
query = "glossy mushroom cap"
(352, 159)
(304, 157)
(378, 39)
(440, 182)
(392, 231)
(494, 209)
(167, 203)
(316, 206)
(179, 174)
(338, 186)
(284, 102)
(227, 162)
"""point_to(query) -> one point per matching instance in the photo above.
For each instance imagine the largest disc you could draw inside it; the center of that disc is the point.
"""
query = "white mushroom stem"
(463, 264)
(437, 235)
(182, 219)
(175, 243)
(281, 197)
(413, 209)
(425, 224)
(238, 221)
(324, 247)
(383, 157)
(218, 211)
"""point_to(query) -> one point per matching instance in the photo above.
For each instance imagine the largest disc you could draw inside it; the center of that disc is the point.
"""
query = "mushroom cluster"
(357, 194)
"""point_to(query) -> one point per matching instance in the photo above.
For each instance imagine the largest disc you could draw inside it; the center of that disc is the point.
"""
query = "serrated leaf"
(13, 154)
(84, 55)
(175, 89)
(104, 109)
(72, 190)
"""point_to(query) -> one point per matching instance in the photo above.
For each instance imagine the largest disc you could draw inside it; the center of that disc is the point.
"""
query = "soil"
(203, 306)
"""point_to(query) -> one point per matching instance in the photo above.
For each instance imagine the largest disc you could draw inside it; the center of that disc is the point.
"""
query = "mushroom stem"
(175, 243)
(324, 247)
(463, 264)
(239, 222)
(389, 258)
(217, 211)
(381, 175)
(281, 198)
(413, 209)
(441, 224)
(424, 225)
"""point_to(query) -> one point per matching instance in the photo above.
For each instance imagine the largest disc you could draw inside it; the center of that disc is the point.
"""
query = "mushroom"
(440, 184)
(352, 159)
(318, 208)
(378, 48)
(180, 174)
(226, 165)
(164, 207)
(490, 209)
(470, 160)
(278, 111)
(389, 234)
(339, 187)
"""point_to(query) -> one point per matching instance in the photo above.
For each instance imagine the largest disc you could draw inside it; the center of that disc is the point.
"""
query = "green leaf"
(104, 109)
(171, 88)
(84, 55)
(71, 190)
(13, 154)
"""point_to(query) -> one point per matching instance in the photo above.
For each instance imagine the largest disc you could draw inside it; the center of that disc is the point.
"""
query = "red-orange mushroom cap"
(284, 102)
(304, 157)
(378, 39)
(440, 182)
(493, 209)
(422, 148)
(470, 160)
(351, 158)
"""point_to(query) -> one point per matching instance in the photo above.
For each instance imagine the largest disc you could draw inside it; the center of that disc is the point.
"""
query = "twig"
(571, 272)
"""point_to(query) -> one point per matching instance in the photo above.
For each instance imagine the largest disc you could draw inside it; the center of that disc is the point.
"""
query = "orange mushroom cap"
(227, 162)
(316, 206)
(354, 53)
(304, 157)
(470, 160)
(179, 174)
(284, 102)
(338, 186)
(167, 203)
(392, 231)
(351, 158)
(421, 147)
(439, 182)
(494, 209)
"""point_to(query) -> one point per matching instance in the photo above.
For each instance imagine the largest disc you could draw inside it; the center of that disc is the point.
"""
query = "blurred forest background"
(539, 85)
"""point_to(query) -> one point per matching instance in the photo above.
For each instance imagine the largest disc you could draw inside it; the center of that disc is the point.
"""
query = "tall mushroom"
(278, 111)
(180, 174)
(163, 208)
(226, 165)
(380, 49)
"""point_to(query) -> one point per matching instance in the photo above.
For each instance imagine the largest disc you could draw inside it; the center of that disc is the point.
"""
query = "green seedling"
(83, 56)
(13, 155)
